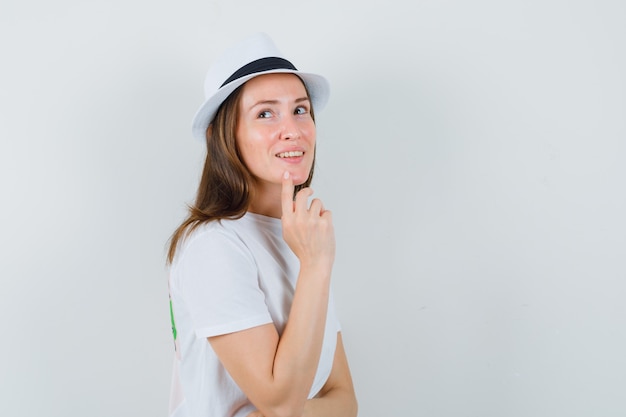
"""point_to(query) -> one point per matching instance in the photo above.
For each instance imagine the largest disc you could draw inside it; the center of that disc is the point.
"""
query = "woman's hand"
(255, 413)
(308, 230)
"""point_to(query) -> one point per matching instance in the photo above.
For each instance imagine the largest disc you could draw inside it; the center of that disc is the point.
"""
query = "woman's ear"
(209, 130)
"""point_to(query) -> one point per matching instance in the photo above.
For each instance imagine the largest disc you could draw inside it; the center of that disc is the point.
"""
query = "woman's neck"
(266, 200)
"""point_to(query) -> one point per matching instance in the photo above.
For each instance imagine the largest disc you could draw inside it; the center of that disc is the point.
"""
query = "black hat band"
(260, 65)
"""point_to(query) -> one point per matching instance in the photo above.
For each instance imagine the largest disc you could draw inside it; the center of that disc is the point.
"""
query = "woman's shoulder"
(210, 237)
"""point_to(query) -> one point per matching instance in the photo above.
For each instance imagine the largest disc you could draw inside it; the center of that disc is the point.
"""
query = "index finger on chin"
(287, 193)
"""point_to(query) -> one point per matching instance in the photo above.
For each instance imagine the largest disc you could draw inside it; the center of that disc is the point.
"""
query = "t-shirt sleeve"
(218, 280)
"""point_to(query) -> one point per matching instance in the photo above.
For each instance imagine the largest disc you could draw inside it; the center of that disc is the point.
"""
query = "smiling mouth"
(292, 154)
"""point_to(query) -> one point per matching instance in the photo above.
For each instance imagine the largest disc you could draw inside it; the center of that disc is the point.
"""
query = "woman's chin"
(299, 178)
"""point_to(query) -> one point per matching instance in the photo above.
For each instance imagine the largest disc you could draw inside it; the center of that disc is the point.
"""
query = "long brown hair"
(224, 191)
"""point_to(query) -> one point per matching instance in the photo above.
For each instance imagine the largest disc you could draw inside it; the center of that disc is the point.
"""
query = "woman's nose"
(289, 129)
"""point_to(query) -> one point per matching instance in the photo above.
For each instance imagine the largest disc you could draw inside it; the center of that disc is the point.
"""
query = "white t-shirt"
(228, 276)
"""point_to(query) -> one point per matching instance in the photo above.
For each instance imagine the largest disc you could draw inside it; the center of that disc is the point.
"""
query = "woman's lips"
(290, 154)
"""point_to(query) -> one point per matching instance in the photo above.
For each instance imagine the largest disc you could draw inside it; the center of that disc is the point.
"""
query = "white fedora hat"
(254, 56)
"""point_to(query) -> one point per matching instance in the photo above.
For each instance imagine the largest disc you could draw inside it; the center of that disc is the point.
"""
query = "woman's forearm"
(337, 397)
(277, 372)
(308, 231)
(336, 403)
(299, 348)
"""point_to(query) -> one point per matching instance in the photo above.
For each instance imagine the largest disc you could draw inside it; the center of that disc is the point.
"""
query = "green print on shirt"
(172, 317)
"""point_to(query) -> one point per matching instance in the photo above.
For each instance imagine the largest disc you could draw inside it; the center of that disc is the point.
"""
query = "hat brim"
(317, 86)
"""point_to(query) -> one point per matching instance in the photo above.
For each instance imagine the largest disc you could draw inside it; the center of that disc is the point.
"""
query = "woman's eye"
(301, 110)
(265, 114)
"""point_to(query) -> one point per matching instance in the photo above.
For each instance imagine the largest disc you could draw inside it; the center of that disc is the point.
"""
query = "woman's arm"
(337, 397)
(276, 373)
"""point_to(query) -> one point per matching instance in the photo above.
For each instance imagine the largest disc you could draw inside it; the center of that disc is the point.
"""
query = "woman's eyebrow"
(263, 103)
(273, 102)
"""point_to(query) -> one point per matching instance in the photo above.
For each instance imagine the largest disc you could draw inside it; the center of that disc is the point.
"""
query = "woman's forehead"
(269, 85)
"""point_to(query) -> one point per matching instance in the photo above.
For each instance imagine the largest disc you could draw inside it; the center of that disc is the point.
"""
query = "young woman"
(254, 324)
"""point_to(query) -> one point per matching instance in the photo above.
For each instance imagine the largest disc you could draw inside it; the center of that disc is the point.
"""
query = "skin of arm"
(276, 373)
(337, 397)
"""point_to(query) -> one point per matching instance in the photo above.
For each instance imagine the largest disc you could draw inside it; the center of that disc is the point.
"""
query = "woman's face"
(275, 131)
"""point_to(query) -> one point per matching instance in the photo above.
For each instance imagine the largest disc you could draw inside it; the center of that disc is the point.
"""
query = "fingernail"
(286, 175)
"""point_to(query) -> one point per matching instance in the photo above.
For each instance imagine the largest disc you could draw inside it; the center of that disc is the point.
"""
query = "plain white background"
(473, 154)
